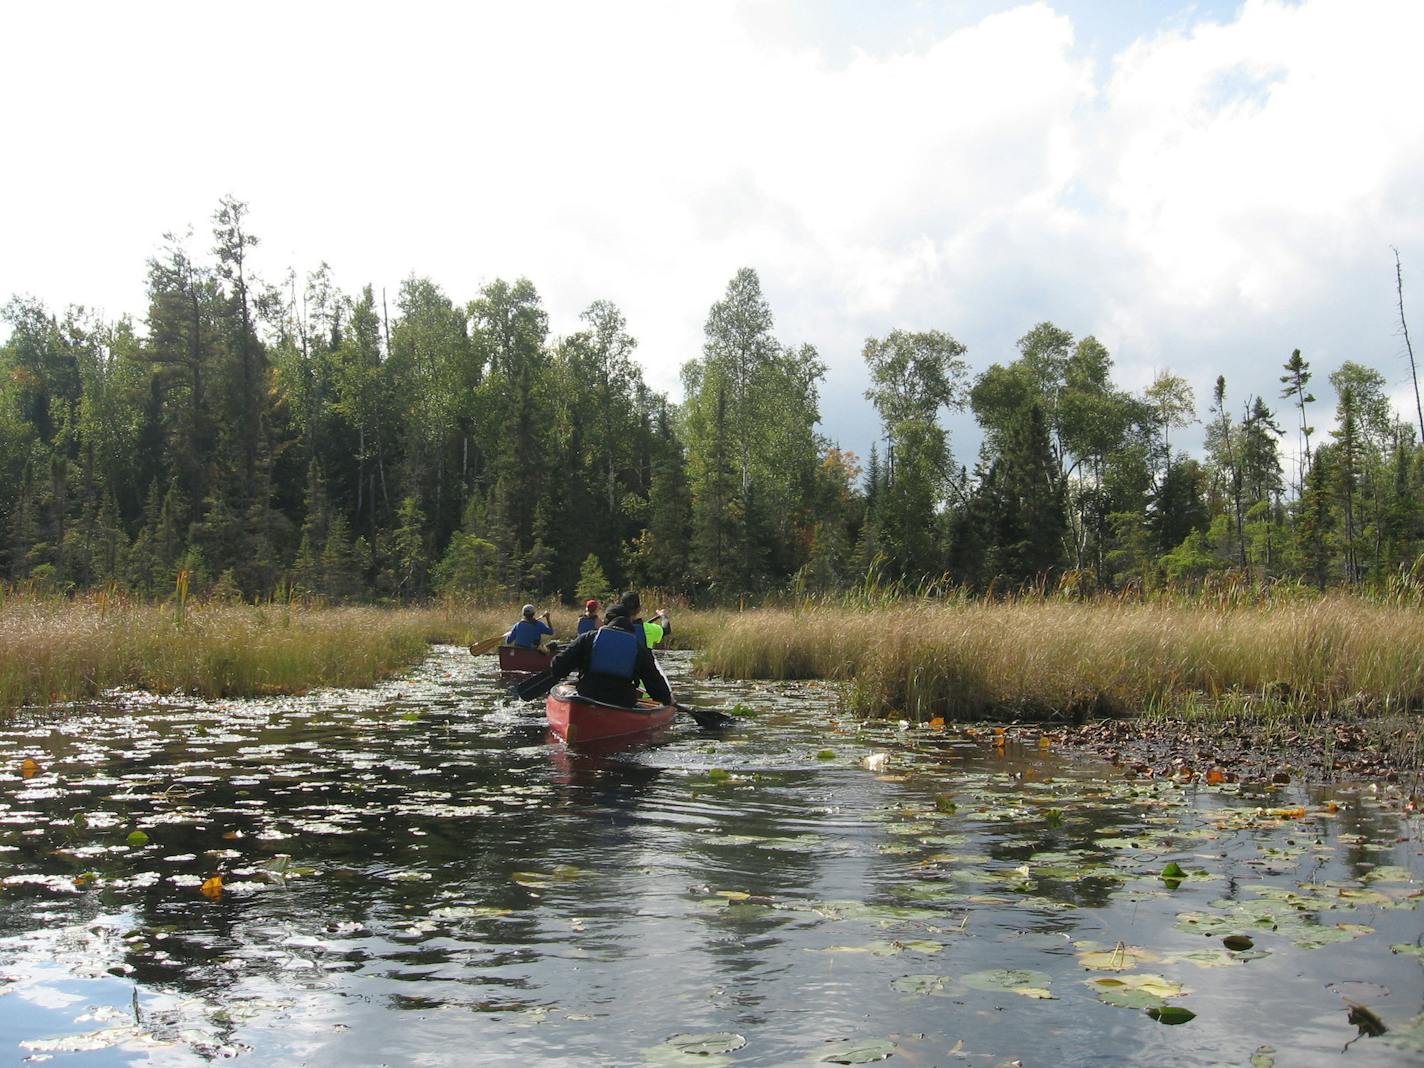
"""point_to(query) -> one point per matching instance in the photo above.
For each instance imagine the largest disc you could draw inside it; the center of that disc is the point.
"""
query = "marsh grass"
(56, 649)
(1300, 657)
(60, 649)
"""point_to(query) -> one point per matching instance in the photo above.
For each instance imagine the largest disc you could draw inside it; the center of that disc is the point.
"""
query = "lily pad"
(1156, 985)
(1130, 999)
(1023, 981)
(1118, 959)
(857, 1051)
(1171, 1014)
(925, 985)
(707, 1043)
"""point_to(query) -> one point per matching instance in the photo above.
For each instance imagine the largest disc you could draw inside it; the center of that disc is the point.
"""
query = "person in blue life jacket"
(613, 662)
(529, 631)
(589, 620)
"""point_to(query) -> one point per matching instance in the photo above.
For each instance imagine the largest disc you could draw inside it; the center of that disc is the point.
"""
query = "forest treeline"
(269, 440)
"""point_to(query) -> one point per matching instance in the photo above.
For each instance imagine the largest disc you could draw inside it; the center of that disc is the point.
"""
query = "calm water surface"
(413, 875)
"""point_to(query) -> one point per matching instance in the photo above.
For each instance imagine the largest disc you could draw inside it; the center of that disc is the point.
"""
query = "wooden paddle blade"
(487, 645)
(708, 717)
(534, 686)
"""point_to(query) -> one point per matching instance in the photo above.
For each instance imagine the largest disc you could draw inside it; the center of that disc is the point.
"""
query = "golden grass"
(1044, 657)
(55, 649)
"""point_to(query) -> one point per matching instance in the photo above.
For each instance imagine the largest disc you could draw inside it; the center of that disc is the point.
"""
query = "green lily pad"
(925, 985)
(1315, 937)
(1130, 999)
(1156, 985)
(1023, 981)
(1207, 958)
(1120, 958)
(1407, 948)
(857, 1051)
(1388, 873)
(710, 1042)
(137, 839)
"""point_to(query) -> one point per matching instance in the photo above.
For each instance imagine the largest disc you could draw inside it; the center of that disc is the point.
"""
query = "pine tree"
(1027, 512)
(592, 582)
(1315, 525)
(408, 550)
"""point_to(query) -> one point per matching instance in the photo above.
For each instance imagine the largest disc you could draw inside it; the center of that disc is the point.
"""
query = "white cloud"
(1220, 194)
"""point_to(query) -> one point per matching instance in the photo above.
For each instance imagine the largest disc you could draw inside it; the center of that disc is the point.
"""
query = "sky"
(1202, 186)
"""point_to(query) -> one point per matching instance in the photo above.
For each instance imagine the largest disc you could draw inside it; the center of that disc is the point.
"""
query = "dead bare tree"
(1404, 328)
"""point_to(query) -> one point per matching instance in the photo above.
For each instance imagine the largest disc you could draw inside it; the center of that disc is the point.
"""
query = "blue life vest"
(615, 653)
(587, 623)
(526, 633)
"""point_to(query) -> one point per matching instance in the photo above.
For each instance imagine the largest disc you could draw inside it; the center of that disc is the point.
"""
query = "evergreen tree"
(592, 582)
(1026, 509)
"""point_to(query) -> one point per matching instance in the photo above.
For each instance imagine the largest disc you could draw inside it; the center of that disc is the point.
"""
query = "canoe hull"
(515, 659)
(577, 720)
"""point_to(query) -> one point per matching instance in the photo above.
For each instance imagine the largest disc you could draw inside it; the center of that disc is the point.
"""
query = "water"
(413, 875)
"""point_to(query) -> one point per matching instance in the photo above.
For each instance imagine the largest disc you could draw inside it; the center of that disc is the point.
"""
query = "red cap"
(591, 604)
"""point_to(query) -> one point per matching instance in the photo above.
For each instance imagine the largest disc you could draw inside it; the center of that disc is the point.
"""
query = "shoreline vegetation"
(1196, 688)
(54, 650)
(1067, 660)
(1310, 674)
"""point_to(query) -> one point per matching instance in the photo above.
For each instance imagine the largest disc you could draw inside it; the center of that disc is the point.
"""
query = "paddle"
(534, 686)
(485, 646)
(707, 717)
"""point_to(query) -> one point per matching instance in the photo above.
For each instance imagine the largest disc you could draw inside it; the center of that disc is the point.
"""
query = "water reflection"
(414, 872)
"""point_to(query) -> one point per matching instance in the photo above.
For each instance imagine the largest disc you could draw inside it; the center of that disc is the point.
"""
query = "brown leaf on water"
(212, 887)
(1215, 777)
(29, 768)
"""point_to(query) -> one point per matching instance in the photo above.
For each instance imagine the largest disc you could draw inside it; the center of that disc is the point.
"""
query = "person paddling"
(613, 662)
(651, 631)
(657, 628)
(529, 631)
(589, 620)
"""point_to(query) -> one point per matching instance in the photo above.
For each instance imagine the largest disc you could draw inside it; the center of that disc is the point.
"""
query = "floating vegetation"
(203, 874)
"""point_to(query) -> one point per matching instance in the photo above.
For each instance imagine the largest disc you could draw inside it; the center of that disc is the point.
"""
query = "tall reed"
(60, 649)
(1054, 657)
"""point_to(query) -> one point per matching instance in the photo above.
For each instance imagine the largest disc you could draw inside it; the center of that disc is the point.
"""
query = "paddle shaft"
(486, 645)
(534, 686)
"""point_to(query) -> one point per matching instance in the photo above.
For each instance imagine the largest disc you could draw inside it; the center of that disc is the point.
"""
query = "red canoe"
(576, 719)
(512, 658)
